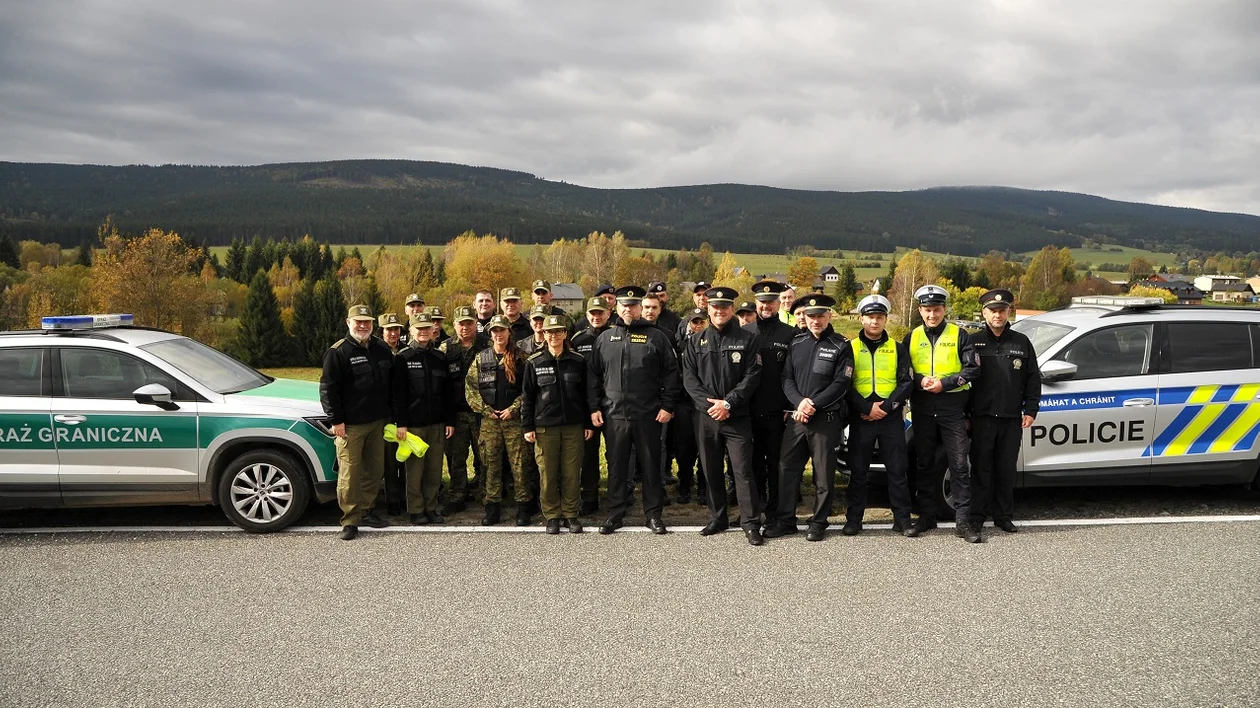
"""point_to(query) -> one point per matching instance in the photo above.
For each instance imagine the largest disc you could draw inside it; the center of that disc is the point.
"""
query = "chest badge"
(1017, 363)
(736, 357)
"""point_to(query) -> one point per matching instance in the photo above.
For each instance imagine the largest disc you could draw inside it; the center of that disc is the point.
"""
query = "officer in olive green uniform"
(422, 387)
(439, 319)
(414, 305)
(555, 417)
(493, 390)
(395, 494)
(534, 342)
(354, 390)
(597, 322)
(460, 351)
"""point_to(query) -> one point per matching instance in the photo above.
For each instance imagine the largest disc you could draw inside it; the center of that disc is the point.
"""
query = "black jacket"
(584, 341)
(632, 373)
(669, 321)
(818, 368)
(554, 391)
(423, 387)
(1009, 383)
(459, 360)
(861, 346)
(528, 346)
(724, 364)
(775, 336)
(355, 385)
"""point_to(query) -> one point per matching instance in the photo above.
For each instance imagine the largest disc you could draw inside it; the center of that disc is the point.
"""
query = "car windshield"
(208, 366)
(1042, 334)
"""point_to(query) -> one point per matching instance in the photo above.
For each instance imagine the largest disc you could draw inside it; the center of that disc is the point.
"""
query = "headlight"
(321, 424)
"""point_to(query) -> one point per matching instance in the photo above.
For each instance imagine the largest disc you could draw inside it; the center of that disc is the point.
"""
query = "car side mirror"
(1058, 370)
(156, 395)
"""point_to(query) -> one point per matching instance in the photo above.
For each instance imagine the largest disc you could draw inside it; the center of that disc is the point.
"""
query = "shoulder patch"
(338, 343)
(536, 354)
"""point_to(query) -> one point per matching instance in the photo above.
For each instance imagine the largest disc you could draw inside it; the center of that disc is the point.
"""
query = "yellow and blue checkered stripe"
(1216, 419)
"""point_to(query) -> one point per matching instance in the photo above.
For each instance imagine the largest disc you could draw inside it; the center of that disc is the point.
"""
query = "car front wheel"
(263, 491)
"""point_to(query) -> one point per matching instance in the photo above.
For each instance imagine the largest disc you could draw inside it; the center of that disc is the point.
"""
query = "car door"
(28, 456)
(111, 448)
(1209, 404)
(1094, 426)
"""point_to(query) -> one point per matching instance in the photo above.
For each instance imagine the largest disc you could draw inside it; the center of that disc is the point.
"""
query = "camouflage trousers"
(467, 429)
(497, 436)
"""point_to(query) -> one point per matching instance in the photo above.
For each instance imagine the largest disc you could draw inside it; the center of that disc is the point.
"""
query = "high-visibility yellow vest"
(874, 370)
(939, 360)
(787, 317)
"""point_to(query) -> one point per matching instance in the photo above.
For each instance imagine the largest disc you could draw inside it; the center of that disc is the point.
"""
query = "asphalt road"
(1117, 615)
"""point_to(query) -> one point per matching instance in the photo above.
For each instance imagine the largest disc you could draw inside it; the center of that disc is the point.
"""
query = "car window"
(1043, 335)
(210, 367)
(1115, 351)
(21, 371)
(102, 373)
(1208, 346)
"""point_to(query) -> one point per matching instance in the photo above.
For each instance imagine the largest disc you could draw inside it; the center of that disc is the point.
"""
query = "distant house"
(1208, 283)
(1234, 292)
(568, 297)
(829, 274)
(1186, 293)
(1171, 278)
(1254, 282)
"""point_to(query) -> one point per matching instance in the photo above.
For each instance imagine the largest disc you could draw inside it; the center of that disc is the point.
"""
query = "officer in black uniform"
(633, 389)
(413, 306)
(534, 342)
(769, 405)
(668, 320)
(882, 379)
(423, 397)
(583, 342)
(683, 429)
(721, 369)
(542, 297)
(816, 378)
(1005, 398)
(439, 319)
(945, 364)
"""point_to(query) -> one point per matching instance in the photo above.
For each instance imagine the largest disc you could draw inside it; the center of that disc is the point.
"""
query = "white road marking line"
(630, 528)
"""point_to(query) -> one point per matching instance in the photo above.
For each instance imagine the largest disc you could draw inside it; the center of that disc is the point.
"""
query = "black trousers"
(733, 437)
(816, 440)
(767, 448)
(994, 455)
(890, 433)
(590, 464)
(395, 478)
(946, 429)
(642, 438)
(683, 430)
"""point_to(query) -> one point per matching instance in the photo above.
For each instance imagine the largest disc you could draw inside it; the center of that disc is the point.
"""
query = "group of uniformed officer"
(755, 398)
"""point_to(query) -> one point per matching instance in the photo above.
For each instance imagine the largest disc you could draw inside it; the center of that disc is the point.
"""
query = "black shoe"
(553, 526)
(419, 519)
(589, 507)
(967, 532)
(436, 518)
(349, 532)
(454, 507)
(851, 528)
(905, 528)
(816, 532)
(575, 526)
(610, 526)
(715, 527)
(657, 526)
(754, 537)
(372, 519)
(1006, 525)
(924, 524)
(777, 529)
(493, 515)
(522, 515)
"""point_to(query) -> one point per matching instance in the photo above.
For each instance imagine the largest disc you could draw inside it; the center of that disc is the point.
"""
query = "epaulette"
(339, 343)
(535, 355)
(442, 346)
(800, 334)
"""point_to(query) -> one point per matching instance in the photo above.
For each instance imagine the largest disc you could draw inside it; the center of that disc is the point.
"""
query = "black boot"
(553, 526)
(522, 514)
(967, 532)
(493, 515)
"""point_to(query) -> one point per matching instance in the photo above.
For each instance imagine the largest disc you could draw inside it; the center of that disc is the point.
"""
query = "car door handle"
(1138, 402)
(70, 419)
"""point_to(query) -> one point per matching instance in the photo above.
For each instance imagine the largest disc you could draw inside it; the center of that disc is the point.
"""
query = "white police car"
(95, 412)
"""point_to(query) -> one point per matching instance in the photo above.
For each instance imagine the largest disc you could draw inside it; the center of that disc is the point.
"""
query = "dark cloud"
(1158, 102)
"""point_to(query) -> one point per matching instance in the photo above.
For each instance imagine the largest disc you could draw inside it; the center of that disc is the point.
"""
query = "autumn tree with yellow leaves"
(149, 276)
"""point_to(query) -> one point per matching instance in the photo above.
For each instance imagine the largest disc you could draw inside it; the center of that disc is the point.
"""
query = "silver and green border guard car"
(95, 414)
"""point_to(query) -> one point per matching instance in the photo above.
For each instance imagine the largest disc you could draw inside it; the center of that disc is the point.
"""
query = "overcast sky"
(1151, 100)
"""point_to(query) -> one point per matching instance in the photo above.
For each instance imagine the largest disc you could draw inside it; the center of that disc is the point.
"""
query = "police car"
(97, 412)
(1137, 391)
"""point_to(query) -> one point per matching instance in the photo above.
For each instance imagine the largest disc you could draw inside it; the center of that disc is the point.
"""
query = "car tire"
(263, 491)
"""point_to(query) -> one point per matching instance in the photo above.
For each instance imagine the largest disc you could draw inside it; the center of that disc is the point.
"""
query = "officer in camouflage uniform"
(460, 351)
(493, 390)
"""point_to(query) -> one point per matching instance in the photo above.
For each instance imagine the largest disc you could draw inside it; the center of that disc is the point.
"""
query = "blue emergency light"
(86, 321)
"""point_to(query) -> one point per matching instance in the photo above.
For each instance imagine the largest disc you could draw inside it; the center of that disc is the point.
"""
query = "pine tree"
(213, 261)
(260, 340)
(309, 343)
(8, 252)
(235, 260)
(255, 260)
(372, 297)
(85, 254)
(329, 323)
(845, 288)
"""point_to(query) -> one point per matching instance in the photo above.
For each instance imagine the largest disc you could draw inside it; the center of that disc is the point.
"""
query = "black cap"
(630, 294)
(816, 304)
(766, 290)
(745, 306)
(721, 296)
(699, 287)
(697, 313)
(656, 286)
(998, 297)
(605, 288)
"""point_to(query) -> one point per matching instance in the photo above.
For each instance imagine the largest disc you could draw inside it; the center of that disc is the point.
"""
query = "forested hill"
(397, 201)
